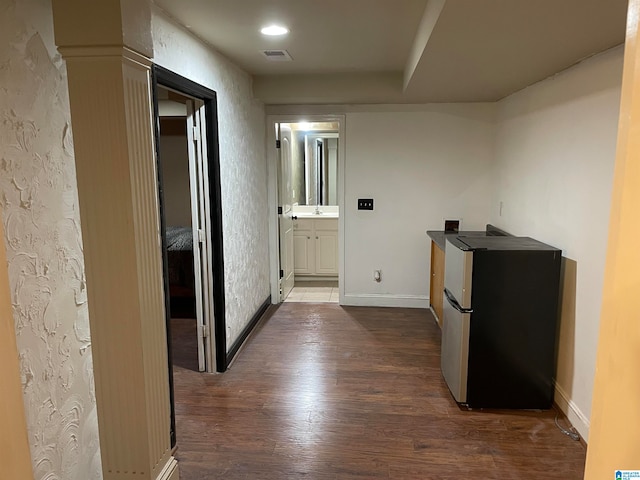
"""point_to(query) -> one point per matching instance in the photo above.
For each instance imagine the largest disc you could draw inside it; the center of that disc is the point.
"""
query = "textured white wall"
(243, 168)
(44, 250)
(419, 164)
(555, 152)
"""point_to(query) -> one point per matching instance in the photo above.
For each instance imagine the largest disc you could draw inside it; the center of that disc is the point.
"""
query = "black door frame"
(167, 78)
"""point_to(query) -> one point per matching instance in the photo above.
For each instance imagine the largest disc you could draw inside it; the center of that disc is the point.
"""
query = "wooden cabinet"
(303, 260)
(436, 290)
(315, 247)
(326, 252)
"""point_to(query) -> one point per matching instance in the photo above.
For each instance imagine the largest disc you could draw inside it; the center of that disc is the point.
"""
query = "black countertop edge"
(440, 236)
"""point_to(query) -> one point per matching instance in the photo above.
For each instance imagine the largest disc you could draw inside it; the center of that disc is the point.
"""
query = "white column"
(112, 120)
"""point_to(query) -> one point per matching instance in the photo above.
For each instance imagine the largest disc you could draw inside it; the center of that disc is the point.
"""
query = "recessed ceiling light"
(274, 30)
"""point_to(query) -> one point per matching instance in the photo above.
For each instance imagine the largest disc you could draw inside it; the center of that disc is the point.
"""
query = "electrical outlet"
(377, 275)
(452, 223)
(365, 204)
(452, 226)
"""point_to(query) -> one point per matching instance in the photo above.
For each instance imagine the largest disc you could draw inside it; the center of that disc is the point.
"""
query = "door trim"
(193, 149)
(272, 171)
(183, 85)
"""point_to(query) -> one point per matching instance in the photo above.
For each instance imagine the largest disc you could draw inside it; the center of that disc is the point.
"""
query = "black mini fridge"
(501, 315)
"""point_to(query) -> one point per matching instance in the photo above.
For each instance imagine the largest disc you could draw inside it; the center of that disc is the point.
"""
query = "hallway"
(328, 392)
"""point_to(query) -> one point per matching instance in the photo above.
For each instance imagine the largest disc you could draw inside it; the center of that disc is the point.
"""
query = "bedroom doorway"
(182, 150)
(190, 207)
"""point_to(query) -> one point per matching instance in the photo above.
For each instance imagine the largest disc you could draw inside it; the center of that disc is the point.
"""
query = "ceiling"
(403, 51)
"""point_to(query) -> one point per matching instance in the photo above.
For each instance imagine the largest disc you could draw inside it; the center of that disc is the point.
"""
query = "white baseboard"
(170, 470)
(377, 300)
(574, 414)
(315, 278)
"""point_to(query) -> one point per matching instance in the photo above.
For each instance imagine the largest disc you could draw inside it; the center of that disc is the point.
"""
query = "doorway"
(185, 200)
(190, 225)
(308, 163)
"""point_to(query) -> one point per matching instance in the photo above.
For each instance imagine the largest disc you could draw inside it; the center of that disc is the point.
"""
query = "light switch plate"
(365, 204)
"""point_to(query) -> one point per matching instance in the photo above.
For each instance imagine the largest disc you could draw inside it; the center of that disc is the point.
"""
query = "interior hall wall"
(41, 221)
(243, 167)
(420, 164)
(555, 151)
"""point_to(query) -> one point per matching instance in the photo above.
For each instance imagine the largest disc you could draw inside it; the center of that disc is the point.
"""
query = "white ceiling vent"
(277, 55)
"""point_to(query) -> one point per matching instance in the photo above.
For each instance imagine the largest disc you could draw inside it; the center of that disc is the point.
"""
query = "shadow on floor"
(184, 343)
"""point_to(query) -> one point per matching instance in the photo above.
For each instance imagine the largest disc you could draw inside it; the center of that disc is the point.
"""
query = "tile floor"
(314, 292)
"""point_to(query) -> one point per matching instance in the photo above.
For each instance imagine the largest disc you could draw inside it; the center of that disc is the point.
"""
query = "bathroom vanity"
(315, 246)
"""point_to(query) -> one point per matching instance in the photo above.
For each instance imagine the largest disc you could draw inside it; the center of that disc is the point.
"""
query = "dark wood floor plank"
(327, 392)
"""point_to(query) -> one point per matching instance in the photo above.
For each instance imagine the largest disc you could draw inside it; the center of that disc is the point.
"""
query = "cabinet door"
(436, 290)
(326, 252)
(303, 258)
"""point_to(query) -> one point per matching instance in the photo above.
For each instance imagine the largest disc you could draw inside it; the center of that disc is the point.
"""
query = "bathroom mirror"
(314, 162)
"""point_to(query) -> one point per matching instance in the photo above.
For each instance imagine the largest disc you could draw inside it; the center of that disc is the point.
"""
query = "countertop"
(440, 236)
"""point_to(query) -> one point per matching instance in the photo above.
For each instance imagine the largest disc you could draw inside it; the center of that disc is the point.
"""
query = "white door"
(286, 222)
(200, 215)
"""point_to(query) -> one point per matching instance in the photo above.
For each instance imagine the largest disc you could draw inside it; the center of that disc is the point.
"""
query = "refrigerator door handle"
(454, 303)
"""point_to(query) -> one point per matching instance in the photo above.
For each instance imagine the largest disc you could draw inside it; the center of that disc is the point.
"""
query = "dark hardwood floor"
(327, 392)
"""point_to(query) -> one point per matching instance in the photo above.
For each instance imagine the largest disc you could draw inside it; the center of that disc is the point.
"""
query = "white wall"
(555, 150)
(46, 266)
(175, 175)
(419, 164)
(243, 168)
